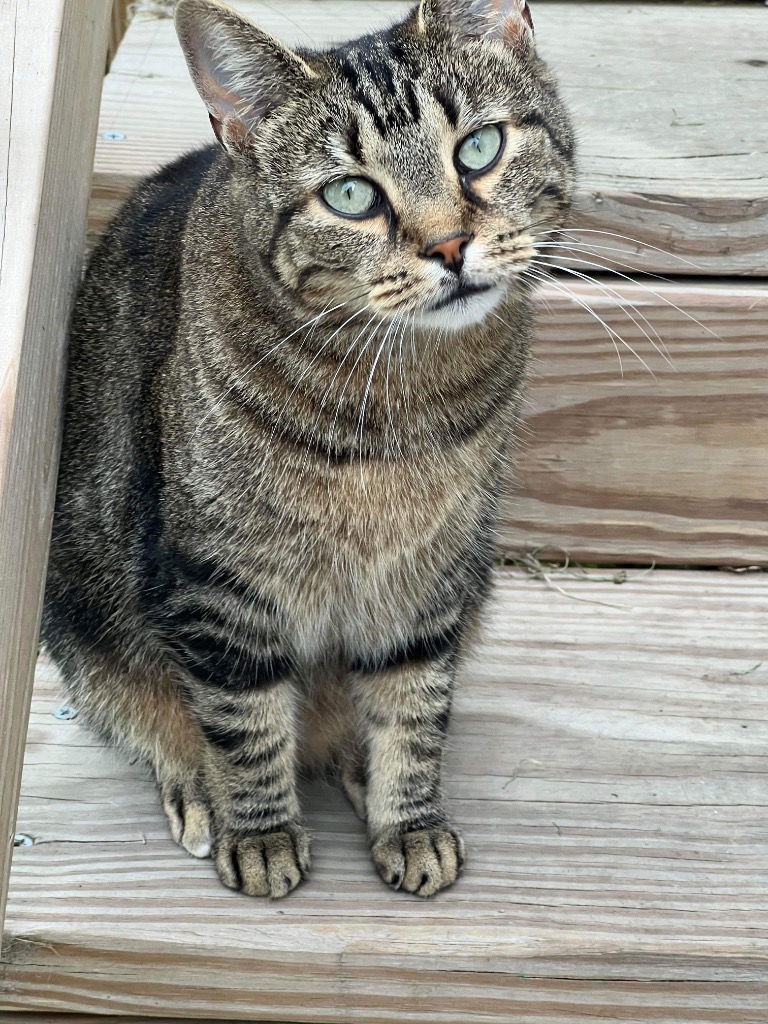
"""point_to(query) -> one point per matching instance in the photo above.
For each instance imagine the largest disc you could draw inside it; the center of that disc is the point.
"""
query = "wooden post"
(118, 27)
(52, 55)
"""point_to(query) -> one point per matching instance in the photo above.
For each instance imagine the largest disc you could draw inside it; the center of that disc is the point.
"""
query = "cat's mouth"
(462, 291)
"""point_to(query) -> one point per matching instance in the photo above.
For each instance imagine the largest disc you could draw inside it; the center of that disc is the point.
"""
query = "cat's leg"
(145, 715)
(353, 778)
(330, 742)
(405, 704)
(249, 728)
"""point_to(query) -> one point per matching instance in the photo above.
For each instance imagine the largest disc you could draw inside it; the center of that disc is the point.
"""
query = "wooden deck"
(609, 767)
(609, 760)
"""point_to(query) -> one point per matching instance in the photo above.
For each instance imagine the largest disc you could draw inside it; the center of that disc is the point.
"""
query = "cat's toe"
(421, 862)
(267, 864)
(189, 820)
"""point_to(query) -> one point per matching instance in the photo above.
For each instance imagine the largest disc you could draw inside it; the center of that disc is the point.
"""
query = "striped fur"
(284, 439)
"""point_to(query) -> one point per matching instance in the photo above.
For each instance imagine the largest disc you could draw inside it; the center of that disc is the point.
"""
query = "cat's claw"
(422, 862)
(267, 864)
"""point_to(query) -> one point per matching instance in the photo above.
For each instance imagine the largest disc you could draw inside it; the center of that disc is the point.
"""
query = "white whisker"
(622, 304)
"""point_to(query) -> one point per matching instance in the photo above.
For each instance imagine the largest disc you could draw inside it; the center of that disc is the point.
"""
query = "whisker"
(591, 250)
(247, 372)
(622, 303)
(663, 298)
(367, 342)
(613, 335)
(390, 418)
(364, 403)
(627, 238)
(308, 368)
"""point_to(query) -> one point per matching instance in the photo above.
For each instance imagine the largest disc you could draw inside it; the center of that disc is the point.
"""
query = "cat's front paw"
(422, 862)
(190, 821)
(264, 864)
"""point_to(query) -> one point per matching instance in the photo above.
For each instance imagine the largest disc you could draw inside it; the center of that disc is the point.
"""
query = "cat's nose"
(450, 251)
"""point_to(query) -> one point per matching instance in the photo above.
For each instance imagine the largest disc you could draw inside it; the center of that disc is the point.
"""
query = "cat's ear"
(508, 21)
(240, 71)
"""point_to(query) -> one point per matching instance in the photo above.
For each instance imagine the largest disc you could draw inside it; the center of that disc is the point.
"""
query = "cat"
(296, 361)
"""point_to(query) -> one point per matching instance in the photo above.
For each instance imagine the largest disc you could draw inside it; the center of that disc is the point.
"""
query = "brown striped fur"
(284, 435)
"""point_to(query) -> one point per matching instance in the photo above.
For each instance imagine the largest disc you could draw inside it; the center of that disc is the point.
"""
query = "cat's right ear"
(240, 71)
(507, 21)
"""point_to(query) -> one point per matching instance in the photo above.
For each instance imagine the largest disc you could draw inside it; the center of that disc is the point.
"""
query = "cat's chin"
(462, 312)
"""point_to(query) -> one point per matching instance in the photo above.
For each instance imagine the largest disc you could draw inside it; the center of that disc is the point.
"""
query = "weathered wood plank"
(609, 768)
(671, 468)
(90, 1018)
(667, 102)
(51, 65)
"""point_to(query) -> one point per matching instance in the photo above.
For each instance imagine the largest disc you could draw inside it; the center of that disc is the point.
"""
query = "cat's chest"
(367, 553)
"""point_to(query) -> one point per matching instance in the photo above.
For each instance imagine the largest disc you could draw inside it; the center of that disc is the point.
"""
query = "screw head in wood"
(65, 713)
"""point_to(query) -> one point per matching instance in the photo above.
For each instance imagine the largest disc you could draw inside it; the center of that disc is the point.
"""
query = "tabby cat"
(295, 365)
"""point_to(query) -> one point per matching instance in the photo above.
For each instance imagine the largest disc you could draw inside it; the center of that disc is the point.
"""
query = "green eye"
(352, 197)
(480, 149)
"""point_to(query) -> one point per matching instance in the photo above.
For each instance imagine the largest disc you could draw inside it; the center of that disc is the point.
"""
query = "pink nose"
(450, 251)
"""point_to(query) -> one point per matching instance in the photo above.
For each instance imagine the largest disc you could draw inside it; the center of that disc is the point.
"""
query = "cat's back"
(133, 275)
(122, 333)
(126, 313)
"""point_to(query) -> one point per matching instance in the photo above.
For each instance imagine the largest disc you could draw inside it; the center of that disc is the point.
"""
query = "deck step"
(666, 97)
(609, 769)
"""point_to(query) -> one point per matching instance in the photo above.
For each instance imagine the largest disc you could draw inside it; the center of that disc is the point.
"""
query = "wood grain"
(117, 27)
(609, 768)
(51, 65)
(92, 1018)
(671, 468)
(667, 101)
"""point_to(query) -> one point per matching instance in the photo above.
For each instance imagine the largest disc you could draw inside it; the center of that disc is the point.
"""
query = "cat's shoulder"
(164, 198)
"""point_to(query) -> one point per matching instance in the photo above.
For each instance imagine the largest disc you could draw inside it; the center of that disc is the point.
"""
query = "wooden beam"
(608, 764)
(51, 63)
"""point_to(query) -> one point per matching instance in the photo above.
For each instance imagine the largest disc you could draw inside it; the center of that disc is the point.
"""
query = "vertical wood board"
(51, 63)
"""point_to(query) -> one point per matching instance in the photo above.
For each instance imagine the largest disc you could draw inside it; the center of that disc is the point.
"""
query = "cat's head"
(406, 172)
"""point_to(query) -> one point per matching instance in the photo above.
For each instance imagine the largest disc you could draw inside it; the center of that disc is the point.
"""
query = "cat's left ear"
(241, 72)
(508, 21)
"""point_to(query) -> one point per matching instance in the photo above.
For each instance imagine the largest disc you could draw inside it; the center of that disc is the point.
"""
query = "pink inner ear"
(216, 94)
(524, 10)
(516, 33)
